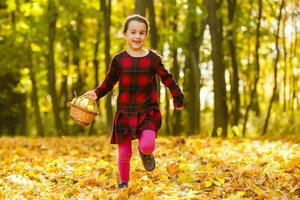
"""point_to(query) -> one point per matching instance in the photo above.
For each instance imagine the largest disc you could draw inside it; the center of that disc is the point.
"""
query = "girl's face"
(136, 35)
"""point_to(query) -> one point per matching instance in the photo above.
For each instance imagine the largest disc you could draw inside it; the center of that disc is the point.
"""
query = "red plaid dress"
(137, 103)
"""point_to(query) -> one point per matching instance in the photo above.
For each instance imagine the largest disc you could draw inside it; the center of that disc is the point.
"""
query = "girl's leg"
(125, 153)
(147, 142)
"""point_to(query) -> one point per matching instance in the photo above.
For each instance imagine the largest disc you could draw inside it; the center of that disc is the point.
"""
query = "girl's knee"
(147, 142)
(147, 148)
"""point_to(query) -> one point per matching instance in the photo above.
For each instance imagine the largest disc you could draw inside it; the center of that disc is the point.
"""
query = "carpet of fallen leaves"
(187, 168)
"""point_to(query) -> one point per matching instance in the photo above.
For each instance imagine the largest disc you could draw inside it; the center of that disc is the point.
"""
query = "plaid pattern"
(137, 103)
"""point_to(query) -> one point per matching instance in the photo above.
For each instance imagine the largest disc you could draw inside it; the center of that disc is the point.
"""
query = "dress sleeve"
(111, 78)
(168, 80)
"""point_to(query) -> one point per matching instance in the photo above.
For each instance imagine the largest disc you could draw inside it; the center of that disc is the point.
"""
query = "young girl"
(138, 115)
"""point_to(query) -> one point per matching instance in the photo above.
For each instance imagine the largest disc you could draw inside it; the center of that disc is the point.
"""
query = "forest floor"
(186, 168)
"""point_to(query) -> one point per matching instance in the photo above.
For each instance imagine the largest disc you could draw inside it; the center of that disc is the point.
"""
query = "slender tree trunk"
(149, 4)
(140, 7)
(220, 105)
(153, 29)
(167, 97)
(247, 85)
(96, 61)
(285, 64)
(255, 103)
(275, 70)
(107, 23)
(34, 94)
(293, 54)
(23, 127)
(194, 71)
(75, 33)
(77, 87)
(232, 49)
(64, 95)
(176, 119)
(253, 93)
(51, 66)
(23, 117)
(167, 118)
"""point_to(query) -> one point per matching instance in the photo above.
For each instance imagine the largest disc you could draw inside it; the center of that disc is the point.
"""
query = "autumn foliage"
(187, 168)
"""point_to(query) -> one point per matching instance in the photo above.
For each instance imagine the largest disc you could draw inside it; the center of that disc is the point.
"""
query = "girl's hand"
(91, 95)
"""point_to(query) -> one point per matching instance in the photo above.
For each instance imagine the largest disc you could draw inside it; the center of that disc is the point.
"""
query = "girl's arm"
(168, 81)
(111, 78)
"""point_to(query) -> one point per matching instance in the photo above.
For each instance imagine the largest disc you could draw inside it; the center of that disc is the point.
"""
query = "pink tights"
(146, 146)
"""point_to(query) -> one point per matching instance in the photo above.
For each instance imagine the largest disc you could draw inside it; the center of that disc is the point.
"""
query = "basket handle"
(93, 101)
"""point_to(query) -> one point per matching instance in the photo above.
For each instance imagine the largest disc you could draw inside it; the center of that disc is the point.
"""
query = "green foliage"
(12, 105)
(25, 24)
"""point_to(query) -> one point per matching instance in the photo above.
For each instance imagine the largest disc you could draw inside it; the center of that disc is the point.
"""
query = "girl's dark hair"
(138, 18)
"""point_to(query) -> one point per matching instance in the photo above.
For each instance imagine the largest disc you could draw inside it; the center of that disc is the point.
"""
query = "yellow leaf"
(186, 178)
(147, 193)
(122, 194)
(145, 178)
(208, 183)
(35, 47)
(240, 193)
(172, 168)
(32, 175)
(74, 152)
(217, 183)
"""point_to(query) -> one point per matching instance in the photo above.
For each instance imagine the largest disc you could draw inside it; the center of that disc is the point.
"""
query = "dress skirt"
(133, 123)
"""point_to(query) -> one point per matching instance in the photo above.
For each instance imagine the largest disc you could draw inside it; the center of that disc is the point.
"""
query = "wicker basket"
(83, 110)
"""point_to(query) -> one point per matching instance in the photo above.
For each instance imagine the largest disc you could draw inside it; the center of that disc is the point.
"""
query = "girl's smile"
(135, 36)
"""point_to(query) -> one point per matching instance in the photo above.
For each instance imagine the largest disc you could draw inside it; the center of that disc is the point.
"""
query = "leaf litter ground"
(187, 168)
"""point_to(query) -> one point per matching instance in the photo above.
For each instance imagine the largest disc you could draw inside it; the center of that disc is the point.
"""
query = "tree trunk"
(275, 70)
(176, 119)
(294, 79)
(220, 105)
(77, 87)
(34, 94)
(235, 77)
(64, 95)
(107, 23)
(96, 61)
(167, 118)
(285, 64)
(140, 7)
(153, 29)
(75, 33)
(253, 94)
(51, 65)
(194, 70)
(149, 4)
(167, 97)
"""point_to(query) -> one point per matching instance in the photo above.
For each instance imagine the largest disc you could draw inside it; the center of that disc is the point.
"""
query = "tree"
(220, 105)
(140, 7)
(52, 16)
(95, 55)
(107, 22)
(34, 93)
(274, 93)
(232, 49)
(253, 94)
(176, 119)
(194, 35)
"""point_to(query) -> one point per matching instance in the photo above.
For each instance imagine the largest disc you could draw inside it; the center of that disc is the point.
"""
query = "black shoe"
(148, 161)
(122, 185)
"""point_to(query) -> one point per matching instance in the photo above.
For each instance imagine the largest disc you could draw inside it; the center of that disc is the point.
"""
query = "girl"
(138, 115)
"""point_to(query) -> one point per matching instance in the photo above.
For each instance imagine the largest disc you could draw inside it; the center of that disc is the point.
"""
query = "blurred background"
(237, 62)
